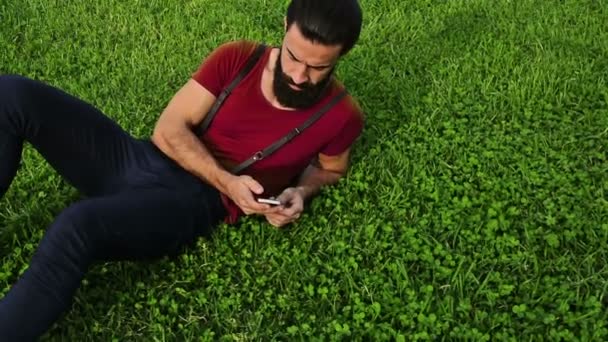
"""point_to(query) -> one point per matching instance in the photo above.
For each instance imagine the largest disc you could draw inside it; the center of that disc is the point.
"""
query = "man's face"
(302, 70)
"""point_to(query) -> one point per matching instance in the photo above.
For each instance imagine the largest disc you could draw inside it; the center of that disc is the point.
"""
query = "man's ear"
(285, 23)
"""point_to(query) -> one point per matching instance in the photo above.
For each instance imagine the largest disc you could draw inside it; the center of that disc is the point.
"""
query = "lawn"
(476, 207)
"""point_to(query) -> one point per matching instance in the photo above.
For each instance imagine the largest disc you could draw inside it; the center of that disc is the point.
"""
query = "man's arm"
(327, 171)
(173, 135)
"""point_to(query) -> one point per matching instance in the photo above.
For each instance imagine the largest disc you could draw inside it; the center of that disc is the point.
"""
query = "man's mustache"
(303, 85)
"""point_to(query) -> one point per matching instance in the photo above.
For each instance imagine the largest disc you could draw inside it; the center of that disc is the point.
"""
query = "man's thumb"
(254, 186)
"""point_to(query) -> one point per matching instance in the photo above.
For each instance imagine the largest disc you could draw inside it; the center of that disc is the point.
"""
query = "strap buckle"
(258, 156)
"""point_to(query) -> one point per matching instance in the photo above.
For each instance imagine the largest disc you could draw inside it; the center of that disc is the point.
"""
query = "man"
(147, 198)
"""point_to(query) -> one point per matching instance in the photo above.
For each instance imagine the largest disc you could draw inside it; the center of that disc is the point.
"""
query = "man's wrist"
(304, 191)
(222, 179)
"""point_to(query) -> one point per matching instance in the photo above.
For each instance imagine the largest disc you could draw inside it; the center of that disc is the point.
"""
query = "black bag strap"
(253, 59)
(289, 136)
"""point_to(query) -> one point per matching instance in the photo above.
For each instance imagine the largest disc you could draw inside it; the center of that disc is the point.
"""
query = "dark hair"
(328, 22)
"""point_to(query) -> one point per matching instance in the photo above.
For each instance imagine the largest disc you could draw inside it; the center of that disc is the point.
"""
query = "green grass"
(476, 207)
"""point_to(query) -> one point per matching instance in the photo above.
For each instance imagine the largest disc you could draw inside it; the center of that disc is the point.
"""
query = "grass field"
(476, 207)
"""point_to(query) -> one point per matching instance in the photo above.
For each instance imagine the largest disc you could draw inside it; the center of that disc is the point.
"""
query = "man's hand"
(290, 210)
(241, 189)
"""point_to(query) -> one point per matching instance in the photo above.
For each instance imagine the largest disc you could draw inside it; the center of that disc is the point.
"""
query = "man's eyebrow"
(312, 66)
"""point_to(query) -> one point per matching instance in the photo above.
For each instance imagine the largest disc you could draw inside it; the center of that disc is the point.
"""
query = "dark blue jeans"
(138, 203)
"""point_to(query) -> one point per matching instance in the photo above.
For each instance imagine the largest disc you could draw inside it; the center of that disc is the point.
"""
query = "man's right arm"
(174, 136)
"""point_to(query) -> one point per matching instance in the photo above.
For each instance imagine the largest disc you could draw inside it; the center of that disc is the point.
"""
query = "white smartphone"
(271, 201)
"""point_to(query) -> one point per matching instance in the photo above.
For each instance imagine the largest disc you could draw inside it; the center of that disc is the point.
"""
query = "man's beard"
(308, 95)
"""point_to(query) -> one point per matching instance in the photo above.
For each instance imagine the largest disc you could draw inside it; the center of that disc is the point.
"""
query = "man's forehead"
(305, 50)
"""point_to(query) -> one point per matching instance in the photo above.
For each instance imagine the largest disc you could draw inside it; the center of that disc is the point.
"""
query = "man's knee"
(14, 92)
(13, 84)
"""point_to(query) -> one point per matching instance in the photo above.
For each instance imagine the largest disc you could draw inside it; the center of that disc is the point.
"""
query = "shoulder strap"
(289, 136)
(253, 59)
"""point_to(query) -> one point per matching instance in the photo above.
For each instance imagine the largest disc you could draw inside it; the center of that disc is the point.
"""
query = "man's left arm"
(327, 170)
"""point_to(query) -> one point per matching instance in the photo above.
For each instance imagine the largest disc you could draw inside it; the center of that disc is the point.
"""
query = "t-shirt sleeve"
(349, 132)
(222, 65)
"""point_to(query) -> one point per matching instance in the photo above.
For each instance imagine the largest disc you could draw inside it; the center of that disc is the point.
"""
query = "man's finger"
(292, 211)
(260, 207)
(282, 212)
(289, 212)
(287, 196)
(254, 186)
(250, 206)
(284, 198)
(274, 222)
(277, 209)
(263, 208)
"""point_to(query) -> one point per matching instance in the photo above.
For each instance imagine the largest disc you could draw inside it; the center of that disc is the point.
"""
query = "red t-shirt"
(247, 123)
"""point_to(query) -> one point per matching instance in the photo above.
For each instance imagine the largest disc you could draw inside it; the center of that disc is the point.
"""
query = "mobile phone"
(271, 201)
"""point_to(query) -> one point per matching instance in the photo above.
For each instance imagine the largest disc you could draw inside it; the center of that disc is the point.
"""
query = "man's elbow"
(169, 126)
(335, 173)
(339, 169)
(159, 136)
(164, 134)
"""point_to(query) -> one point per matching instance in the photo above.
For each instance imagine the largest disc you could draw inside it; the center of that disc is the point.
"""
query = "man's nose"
(300, 74)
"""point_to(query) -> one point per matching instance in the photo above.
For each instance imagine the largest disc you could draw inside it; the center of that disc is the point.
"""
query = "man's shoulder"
(349, 105)
(237, 49)
(223, 64)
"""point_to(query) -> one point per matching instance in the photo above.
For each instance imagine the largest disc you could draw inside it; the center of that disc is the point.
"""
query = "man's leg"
(136, 224)
(80, 142)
